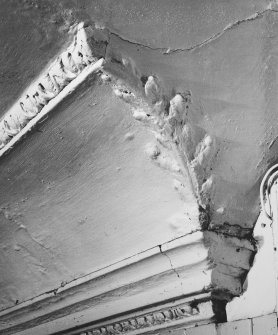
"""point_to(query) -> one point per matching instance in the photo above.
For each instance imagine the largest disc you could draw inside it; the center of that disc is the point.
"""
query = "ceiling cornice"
(205, 261)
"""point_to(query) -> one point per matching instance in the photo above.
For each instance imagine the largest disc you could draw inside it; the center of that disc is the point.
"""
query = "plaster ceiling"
(80, 193)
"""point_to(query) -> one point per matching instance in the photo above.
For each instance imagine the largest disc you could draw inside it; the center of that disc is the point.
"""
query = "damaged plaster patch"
(152, 150)
(179, 223)
(162, 158)
(233, 230)
(129, 136)
(139, 115)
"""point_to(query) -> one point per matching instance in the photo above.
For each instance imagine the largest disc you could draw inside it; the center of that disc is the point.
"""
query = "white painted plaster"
(260, 295)
(89, 188)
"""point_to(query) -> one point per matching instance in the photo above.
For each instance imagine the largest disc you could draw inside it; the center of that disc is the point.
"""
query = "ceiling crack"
(171, 264)
(169, 51)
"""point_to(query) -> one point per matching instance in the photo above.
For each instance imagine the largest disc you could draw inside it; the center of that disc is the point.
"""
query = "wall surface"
(260, 296)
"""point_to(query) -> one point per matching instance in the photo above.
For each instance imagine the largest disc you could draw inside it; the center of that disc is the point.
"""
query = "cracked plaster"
(169, 51)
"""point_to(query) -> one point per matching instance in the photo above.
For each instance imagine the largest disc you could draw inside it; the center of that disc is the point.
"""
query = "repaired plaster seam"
(168, 51)
(47, 249)
(33, 260)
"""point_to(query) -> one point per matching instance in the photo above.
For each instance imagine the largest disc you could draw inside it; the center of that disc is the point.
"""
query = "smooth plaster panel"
(259, 298)
(242, 327)
(202, 330)
(266, 325)
(263, 325)
(78, 195)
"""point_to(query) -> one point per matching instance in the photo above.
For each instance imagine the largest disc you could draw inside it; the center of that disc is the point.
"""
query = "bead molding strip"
(82, 58)
(175, 315)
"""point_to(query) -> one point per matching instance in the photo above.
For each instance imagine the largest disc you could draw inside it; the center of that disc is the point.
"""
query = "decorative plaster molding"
(85, 52)
(150, 278)
(168, 316)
